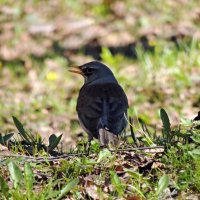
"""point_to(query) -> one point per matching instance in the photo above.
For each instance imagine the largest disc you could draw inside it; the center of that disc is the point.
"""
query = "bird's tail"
(107, 138)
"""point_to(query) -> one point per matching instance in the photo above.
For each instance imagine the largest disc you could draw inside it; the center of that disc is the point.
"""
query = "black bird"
(197, 118)
(102, 104)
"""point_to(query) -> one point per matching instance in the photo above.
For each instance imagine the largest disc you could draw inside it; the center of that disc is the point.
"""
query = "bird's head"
(94, 72)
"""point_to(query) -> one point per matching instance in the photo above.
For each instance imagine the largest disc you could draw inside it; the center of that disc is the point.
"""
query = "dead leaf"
(134, 198)
(42, 28)
(4, 150)
(91, 190)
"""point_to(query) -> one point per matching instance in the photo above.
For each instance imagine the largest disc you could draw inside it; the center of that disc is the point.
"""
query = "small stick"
(39, 159)
(137, 148)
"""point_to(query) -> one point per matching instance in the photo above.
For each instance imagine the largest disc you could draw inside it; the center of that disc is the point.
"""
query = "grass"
(41, 92)
(103, 173)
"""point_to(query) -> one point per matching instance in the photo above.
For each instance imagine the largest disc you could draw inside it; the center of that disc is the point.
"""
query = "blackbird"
(102, 104)
(197, 118)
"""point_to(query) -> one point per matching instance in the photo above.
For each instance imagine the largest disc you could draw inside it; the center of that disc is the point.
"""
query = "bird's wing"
(98, 99)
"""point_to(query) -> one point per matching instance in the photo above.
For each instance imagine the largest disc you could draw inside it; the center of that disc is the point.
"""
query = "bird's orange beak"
(76, 69)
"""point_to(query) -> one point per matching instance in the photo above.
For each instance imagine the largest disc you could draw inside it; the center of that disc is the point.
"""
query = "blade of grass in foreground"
(68, 187)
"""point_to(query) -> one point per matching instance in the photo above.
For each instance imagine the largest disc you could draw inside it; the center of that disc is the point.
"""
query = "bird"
(102, 103)
(197, 118)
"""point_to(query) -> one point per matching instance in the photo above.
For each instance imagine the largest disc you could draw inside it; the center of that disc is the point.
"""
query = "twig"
(137, 148)
(39, 159)
(77, 154)
(51, 158)
(16, 155)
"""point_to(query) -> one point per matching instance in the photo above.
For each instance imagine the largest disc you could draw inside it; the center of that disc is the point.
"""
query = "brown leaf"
(119, 169)
(92, 190)
(4, 150)
(157, 165)
(134, 198)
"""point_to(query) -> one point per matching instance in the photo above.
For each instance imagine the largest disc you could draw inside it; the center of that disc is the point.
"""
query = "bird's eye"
(89, 71)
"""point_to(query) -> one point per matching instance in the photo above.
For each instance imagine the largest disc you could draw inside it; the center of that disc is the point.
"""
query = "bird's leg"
(103, 138)
(112, 138)
(106, 137)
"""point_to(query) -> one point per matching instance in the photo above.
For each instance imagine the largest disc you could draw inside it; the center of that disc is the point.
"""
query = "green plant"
(35, 143)
(24, 181)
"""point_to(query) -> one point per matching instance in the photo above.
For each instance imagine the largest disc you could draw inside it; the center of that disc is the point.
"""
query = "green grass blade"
(4, 187)
(105, 153)
(28, 178)
(166, 125)
(162, 184)
(20, 128)
(53, 142)
(68, 187)
(117, 183)
(15, 173)
(5, 138)
(165, 120)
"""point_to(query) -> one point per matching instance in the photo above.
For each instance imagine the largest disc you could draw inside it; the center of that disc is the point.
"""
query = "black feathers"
(102, 104)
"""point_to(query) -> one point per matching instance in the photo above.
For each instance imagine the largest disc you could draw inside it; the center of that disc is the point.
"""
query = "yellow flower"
(52, 76)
